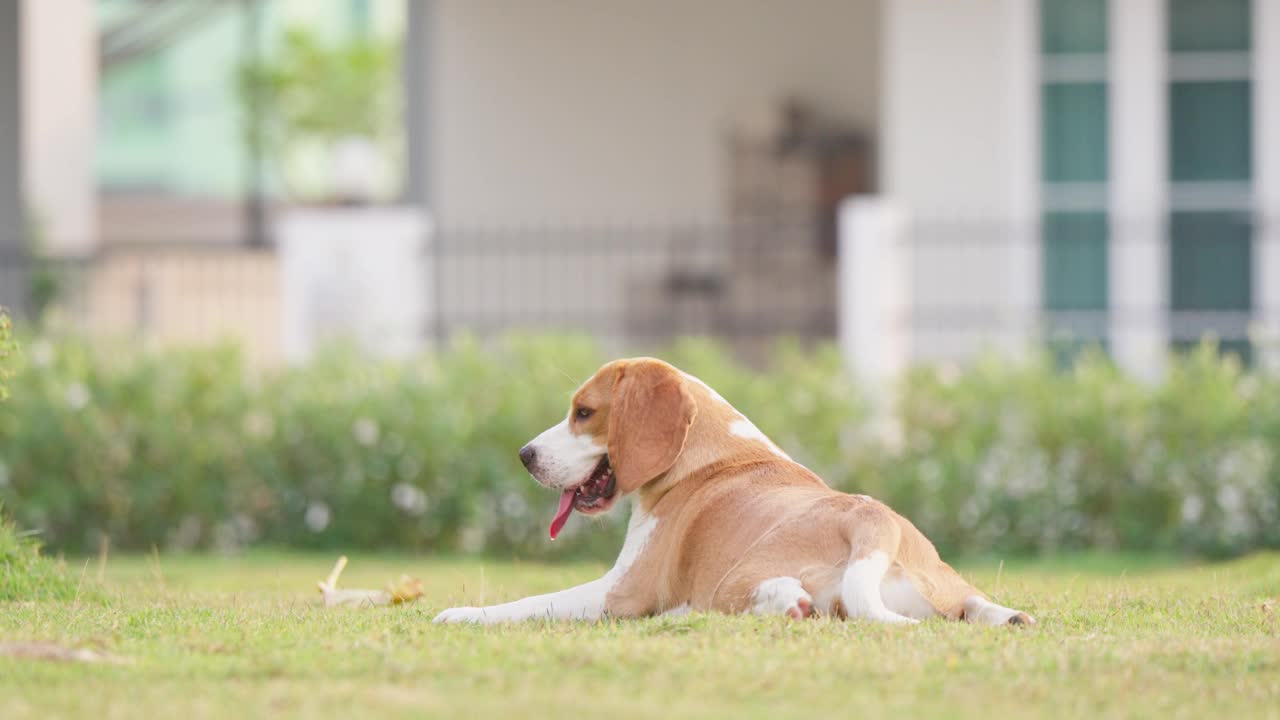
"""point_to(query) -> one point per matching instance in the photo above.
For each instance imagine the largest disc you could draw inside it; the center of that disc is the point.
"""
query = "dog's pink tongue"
(562, 513)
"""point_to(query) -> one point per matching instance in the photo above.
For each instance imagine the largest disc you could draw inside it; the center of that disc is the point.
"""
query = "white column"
(418, 60)
(10, 127)
(874, 310)
(60, 115)
(1266, 133)
(1022, 116)
(12, 226)
(354, 273)
(1138, 256)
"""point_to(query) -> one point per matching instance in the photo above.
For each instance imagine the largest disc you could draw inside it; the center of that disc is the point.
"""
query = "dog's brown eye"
(583, 413)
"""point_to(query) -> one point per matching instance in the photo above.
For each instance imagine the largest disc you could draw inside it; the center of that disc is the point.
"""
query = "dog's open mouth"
(593, 495)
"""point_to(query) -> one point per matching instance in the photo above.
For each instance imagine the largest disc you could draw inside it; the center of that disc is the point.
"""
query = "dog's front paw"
(461, 615)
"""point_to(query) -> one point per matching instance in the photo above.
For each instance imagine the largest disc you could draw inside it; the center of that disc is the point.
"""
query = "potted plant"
(329, 123)
(327, 117)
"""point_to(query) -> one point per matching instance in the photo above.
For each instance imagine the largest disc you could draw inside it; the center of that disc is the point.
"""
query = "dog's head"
(626, 426)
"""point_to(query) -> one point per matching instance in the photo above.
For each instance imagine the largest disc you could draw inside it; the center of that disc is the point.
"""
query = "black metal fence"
(633, 287)
(972, 285)
(744, 283)
(977, 282)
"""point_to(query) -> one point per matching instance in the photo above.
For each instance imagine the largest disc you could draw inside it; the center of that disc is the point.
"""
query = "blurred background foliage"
(7, 350)
(187, 450)
(23, 573)
(322, 94)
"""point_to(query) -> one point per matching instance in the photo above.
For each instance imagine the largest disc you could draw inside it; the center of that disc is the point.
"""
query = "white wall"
(1266, 122)
(1138, 85)
(60, 115)
(959, 154)
(11, 214)
(955, 136)
(595, 112)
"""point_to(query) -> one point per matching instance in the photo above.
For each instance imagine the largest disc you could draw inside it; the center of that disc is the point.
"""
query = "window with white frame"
(1210, 172)
(1074, 170)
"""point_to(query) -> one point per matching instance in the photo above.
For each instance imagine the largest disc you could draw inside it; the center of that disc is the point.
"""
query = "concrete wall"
(10, 128)
(1266, 181)
(195, 148)
(184, 296)
(60, 115)
(591, 112)
(959, 157)
(959, 92)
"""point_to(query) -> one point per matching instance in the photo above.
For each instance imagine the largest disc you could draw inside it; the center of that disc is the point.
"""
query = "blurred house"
(1085, 170)
(1128, 153)
(133, 154)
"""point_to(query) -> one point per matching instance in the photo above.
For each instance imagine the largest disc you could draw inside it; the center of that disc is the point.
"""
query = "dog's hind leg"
(981, 611)
(782, 596)
(860, 590)
(873, 544)
(955, 598)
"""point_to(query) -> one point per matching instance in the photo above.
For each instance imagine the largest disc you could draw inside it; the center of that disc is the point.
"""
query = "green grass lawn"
(213, 637)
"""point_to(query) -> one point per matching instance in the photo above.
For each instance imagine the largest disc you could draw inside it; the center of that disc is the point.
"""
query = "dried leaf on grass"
(405, 590)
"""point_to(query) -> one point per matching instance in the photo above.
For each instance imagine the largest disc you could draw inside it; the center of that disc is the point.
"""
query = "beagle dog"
(722, 519)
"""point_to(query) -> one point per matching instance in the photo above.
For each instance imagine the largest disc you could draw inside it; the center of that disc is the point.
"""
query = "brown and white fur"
(723, 520)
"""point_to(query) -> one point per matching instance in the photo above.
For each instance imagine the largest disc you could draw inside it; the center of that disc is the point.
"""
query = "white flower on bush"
(1230, 498)
(1192, 509)
(233, 534)
(409, 498)
(513, 505)
(317, 516)
(77, 396)
(1242, 478)
(365, 431)
(41, 353)
(1248, 387)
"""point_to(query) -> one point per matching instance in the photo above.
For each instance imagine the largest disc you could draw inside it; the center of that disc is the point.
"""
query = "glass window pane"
(1075, 132)
(136, 123)
(1211, 128)
(1209, 25)
(1073, 26)
(1075, 260)
(360, 16)
(1211, 259)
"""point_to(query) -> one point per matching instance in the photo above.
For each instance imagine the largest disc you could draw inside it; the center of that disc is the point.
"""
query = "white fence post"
(875, 292)
(355, 274)
(1139, 201)
(1266, 241)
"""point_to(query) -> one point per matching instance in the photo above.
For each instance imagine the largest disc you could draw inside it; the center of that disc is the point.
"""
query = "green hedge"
(7, 350)
(24, 574)
(188, 449)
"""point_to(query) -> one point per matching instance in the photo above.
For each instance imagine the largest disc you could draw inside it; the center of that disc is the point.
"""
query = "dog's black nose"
(528, 455)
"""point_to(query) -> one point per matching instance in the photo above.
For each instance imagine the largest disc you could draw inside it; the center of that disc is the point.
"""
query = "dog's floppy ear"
(649, 419)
